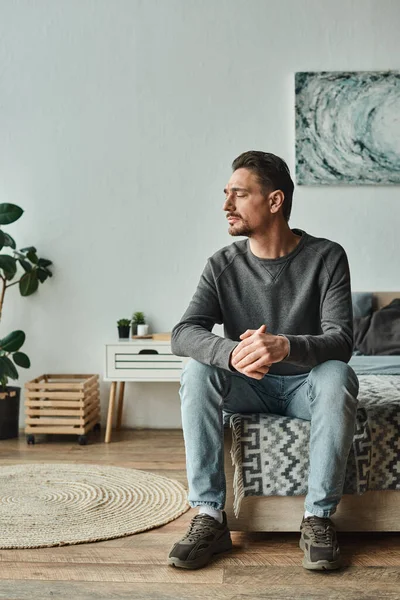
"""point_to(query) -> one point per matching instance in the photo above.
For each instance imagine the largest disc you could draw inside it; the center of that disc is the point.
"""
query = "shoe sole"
(204, 559)
(319, 565)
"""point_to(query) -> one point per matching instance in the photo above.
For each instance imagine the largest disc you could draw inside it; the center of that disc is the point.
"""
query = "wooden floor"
(261, 565)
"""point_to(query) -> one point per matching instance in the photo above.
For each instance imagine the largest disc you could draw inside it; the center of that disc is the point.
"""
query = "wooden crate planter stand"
(65, 404)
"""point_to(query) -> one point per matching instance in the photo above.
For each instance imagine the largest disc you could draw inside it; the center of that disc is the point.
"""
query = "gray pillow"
(362, 304)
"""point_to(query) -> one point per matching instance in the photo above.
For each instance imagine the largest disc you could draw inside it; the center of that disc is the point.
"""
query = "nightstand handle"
(148, 351)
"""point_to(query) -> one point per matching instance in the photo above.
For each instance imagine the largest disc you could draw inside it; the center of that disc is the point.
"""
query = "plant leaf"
(32, 257)
(46, 270)
(42, 275)
(21, 359)
(28, 248)
(8, 264)
(25, 264)
(9, 241)
(7, 368)
(9, 213)
(2, 239)
(28, 284)
(13, 341)
(43, 262)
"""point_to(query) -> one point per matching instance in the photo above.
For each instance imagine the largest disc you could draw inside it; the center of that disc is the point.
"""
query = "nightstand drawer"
(140, 362)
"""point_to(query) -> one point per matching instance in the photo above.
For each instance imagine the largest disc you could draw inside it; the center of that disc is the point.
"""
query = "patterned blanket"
(270, 452)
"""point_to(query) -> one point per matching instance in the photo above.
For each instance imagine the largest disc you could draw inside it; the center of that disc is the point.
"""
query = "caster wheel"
(30, 439)
(97, 427)
(82, 440)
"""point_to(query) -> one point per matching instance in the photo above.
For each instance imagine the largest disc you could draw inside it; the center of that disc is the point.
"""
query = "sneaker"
(206, 536)
(319, 542)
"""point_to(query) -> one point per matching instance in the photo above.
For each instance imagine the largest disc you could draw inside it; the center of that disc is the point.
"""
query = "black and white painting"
(347, 127)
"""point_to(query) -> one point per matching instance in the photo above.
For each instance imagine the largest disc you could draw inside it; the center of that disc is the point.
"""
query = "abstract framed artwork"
(347, 127)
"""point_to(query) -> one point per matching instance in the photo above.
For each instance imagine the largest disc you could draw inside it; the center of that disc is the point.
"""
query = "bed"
(262, 500)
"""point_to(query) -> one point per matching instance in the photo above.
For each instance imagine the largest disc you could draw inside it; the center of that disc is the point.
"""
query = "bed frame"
(372, 511)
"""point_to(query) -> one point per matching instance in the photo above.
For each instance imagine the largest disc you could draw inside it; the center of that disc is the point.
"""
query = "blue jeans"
(326, 396)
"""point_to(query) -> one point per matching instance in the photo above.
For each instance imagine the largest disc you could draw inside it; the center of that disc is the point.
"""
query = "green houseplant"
(139, 325)
(123, 328)
(35, 270)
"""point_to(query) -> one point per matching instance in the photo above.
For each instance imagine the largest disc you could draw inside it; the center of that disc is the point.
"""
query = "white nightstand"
(137, 360)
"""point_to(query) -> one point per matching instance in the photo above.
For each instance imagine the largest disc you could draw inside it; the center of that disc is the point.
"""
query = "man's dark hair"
(272, 172)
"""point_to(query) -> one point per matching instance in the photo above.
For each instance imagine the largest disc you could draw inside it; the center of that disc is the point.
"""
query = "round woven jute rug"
(58, 504)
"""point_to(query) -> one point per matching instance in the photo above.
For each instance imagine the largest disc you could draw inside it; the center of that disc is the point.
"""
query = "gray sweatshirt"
(304, 295)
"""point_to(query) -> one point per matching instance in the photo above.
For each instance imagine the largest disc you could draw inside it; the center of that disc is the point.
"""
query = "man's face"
(246, 201)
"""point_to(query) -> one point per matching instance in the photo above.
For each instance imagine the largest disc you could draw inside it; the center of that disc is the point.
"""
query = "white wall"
(119, 120)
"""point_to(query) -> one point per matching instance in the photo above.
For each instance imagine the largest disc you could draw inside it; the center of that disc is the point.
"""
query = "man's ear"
(276, 199)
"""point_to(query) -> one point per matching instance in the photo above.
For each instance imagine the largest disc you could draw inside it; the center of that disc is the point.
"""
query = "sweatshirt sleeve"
(192, 335)
(336, 341)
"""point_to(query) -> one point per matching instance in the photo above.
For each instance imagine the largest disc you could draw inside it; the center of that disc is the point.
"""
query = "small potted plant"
(123, 328)
(139, 325)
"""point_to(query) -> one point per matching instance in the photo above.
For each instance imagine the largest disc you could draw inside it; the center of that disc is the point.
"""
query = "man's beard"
(240, 228)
